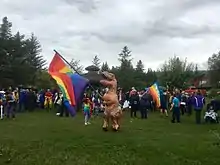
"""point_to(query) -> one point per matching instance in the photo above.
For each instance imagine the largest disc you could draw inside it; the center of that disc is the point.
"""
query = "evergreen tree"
(125, 73)
(5, 29)
(105, 67)
(214, 69)
(196, 70)
(20, 58)
(140, 66)
(33, 57)
(77, 66)
(125, 59)
(96, 61)
(150, 77)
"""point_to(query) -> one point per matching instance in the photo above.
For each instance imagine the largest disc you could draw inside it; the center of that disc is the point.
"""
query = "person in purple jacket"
(190, 102)
(199, 102)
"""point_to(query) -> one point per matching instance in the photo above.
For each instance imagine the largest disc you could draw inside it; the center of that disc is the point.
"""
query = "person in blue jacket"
(199, 102)
(164, 103)
(175, 108)
(22, 99)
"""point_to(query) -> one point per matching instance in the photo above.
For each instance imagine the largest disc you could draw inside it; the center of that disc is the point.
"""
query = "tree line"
(21, 63)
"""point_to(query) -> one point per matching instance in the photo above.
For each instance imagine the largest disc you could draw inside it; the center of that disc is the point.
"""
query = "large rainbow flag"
(155, 92)
(71, 84)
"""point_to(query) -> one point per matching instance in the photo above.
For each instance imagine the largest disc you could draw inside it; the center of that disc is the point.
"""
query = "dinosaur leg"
(116, 119)
(119, 116)
(105, 122)
(114, 123)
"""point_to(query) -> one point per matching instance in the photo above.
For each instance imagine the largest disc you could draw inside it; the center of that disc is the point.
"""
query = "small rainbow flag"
(155, 92)
(71, 84)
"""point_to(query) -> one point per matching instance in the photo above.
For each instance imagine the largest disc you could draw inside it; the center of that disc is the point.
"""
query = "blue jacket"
(145, 101)
(199, 102)
(190, 101)
(22, 96)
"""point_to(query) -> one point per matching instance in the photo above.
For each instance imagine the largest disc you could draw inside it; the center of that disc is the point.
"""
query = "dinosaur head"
(108, 75)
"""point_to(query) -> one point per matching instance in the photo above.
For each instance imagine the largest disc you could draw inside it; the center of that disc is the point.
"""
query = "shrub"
(214, 93)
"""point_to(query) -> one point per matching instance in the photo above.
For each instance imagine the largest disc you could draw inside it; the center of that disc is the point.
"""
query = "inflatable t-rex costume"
(111, 104)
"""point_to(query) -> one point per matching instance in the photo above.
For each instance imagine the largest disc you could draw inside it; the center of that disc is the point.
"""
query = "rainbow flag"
(71, 84)
(155, 92)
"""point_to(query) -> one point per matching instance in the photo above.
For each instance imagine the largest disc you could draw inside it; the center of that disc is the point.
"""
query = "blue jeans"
(87, 116)
(10, 110)
(96, 110)
(176, 114)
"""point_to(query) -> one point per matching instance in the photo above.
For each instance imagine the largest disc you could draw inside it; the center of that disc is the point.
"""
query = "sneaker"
(86, 123)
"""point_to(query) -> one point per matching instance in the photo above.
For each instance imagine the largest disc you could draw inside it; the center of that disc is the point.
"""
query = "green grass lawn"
(41, 138)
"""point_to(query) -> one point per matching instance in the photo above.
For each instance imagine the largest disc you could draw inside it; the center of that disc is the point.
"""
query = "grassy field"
(41, 138)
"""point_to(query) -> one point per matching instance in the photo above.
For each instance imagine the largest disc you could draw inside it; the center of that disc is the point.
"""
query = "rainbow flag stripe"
(155, 92)
(71, 84)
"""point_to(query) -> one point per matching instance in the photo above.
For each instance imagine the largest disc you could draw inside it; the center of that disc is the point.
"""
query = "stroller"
(211, 116)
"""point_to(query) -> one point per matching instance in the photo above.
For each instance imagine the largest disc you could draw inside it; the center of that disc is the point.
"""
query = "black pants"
(143, 112)
(21, 106)
(189, 109)
(198, 116)
(57, 107)
(176, 115)
(183, 109)
(134, 109)
(63, 110)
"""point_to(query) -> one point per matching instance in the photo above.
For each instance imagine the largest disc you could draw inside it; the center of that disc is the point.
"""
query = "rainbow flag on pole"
(71, 84)
(155, 92)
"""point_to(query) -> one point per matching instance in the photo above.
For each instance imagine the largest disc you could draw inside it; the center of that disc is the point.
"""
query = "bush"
(214, 93)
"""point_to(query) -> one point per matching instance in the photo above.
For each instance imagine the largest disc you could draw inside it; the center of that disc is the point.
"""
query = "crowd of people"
(176, 103)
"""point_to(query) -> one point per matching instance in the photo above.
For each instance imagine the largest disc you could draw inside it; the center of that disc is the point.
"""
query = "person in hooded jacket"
(164, 102)
(199, 102)
(145, 104)
(190, 100)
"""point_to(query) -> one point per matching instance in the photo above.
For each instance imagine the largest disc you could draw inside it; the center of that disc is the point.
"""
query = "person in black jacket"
(145, 104)
(134, 103)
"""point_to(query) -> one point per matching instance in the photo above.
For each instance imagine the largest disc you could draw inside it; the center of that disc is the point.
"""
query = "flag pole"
(74, 69)
(66, 61)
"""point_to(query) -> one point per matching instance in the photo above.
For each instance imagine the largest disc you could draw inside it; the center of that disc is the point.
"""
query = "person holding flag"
(71, 84)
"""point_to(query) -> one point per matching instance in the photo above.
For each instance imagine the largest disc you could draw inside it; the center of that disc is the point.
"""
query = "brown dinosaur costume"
(110, 99)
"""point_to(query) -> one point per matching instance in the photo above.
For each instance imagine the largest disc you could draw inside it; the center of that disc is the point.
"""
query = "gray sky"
(153, 29)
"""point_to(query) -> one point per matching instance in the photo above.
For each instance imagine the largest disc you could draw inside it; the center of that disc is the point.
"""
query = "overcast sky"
(154, 30)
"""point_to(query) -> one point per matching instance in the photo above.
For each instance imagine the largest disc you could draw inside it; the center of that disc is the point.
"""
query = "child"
(86, 110)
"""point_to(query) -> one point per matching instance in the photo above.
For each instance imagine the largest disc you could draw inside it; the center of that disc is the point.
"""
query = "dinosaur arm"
(105, 82)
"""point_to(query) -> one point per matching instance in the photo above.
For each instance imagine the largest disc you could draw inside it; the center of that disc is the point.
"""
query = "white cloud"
(154, 30)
